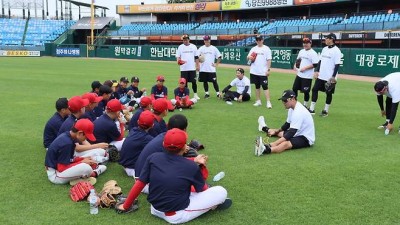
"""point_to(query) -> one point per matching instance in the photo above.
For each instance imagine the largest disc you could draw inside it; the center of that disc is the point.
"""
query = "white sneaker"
(261, 123)
(196, 96)
(257, 103)
(229, 103)
(269, 105)
(100, 169)
(259, 146)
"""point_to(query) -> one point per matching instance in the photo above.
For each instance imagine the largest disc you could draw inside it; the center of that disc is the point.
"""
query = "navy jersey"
(133, 122)
(136, 92)
(105, 129)
(100, 108)
(170, 177)
(181, 93)
(67, 124)
(89, 115)
(158, 127)
(155, 145)
(51, 129)
(159, 92)
(133, 146)
(60, 151)
(121, 92)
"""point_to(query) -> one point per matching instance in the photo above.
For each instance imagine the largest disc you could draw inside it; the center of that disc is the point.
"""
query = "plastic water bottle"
(387, 131)
(249, 62)
(93, 203)
(219, 176)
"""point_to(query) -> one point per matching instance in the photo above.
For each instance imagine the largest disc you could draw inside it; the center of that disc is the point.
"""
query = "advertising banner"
(68, 52)
(19, 53)
(386, 35)
(253, 4)
(169, 8)
(309, 2)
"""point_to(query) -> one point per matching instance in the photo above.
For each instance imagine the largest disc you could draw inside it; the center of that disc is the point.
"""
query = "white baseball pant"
(91, 152)
(200, 203)
(80, 170)
(118, 144)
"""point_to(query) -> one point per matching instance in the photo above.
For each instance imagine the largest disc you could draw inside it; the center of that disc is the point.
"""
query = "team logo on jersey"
(306, 88)
(265, 81)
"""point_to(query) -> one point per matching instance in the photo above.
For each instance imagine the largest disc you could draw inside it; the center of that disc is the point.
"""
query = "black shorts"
(302, 84)
(319, 85)
(259, 81)
(245, 97)
(207, 77)
(190, 76)
(299, 142)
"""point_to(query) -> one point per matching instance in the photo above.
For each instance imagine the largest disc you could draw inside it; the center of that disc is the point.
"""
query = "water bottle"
(93, 202)
(219, 176)
(249, 62)
(387, 131)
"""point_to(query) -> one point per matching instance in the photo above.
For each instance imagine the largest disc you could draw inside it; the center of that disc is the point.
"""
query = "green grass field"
(350, 176)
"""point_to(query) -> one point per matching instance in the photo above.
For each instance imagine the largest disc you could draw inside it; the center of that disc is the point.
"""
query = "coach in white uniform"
(208, 72)
(297, 132)
(327, 70)
(389, 86)
(188, 59)
(309, 59)
(260, 57)
(243, 91)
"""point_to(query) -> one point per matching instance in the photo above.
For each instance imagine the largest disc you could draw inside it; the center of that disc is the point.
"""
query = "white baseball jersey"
(259, 66)
(394, 86)
(329, 58)
(308, 57)
(241, 84)
(187, 53)
(300, 118)
(210, 53)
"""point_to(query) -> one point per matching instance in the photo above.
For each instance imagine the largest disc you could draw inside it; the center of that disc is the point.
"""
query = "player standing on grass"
(308, 59)
(325, 74)
(260, 57)
(188, 60)
(389, 86)
(208, 67)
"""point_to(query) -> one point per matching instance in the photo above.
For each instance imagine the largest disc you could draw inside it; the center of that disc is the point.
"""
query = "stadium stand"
(12, 31)
(154, 29)
(40, 32)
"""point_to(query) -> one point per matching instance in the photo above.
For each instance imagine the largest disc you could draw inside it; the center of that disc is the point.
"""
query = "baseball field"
(350, 176)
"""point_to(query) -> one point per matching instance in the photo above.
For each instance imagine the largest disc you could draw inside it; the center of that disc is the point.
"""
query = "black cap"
(124, 79)
(96, 84)
(307, 40)
(62, 103)
(185, 36)
(241, 70)
(134, 79)
(105, 89)
(287, 94)
(380, 85)
(331, 36)
(259, 37)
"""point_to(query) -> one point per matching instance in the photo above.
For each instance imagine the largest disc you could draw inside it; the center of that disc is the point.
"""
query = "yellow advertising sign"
(231, 4)
(169, 8)
(19, 53)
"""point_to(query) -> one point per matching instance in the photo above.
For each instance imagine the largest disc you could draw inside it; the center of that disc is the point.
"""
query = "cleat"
(269, 105)
(323, 113)
(225, 205)
(383, 126)
(261, 123)
(229, 103)
(257, 103)
(312, 112)
(259, 146)
(206, 96)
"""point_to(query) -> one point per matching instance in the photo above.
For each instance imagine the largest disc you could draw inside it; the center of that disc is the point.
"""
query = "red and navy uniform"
(182, 97)
(155, 145)
(159, 126)
(133, 122)
(181, 92)
(89, 115)
(105, 130)
(170, 177)
(133, 146)
(159, 92)
(100, 108)
(51, 129)
(61, 151)
(136, 92)
(68, 124)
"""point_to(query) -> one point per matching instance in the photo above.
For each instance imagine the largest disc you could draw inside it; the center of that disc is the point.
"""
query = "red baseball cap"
(76, 103)
(160, 105)
(145, 101)
(146, 119)
(92, 97)
(87, 127)
(182, 80)
(115, 105)
(160, 78)
(175, 139)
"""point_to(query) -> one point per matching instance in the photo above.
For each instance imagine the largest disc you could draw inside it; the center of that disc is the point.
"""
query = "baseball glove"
(181, 62)
(107, 200)
(298, 62)
(196, 145)
(113, 153)
(254, 56)
(330, 85)
(112, 188)
(133, 207)
(191, 153)
(80, 191)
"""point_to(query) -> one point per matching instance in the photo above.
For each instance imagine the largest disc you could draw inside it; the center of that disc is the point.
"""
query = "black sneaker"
(206, 96)
(225, 205)
(323, 113)
(219, 96)
(383, 126)
(311, 111)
